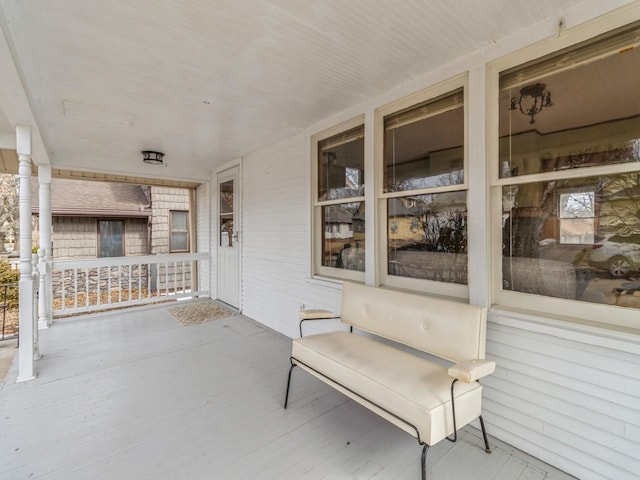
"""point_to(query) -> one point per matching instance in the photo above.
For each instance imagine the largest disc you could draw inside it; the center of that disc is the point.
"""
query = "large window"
(424, 192)
(179, 231)
(111, 238)
(569, 175)
(339, 202)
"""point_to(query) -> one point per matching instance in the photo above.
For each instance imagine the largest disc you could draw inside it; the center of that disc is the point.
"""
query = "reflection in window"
(111, 238)
(424, 151)
(570, 236)
(341, 165)
(423, 145)
(595, 116)
(577, 217)
(343, 236)
(574, 238)
(226, 214)
(427, 237)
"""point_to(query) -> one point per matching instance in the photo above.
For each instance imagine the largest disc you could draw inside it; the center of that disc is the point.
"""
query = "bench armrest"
(471, 370)
(315, 314)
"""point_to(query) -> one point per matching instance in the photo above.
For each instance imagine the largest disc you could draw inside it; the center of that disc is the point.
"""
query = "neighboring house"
(97, 219)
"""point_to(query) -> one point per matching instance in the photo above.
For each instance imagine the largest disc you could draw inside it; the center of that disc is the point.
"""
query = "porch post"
(26, 352)
(46, 283)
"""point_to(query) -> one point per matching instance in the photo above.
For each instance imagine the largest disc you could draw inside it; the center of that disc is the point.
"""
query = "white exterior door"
(228, 279)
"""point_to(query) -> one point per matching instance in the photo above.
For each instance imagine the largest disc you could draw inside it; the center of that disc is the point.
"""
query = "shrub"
(7, 275)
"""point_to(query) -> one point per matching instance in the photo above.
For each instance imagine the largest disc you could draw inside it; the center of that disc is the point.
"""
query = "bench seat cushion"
(414, 388)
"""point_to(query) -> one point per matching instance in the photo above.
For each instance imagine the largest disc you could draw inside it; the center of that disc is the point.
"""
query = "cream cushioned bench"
(416, 393)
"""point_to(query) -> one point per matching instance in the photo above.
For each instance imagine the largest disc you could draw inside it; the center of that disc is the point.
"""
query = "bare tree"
(9, 209)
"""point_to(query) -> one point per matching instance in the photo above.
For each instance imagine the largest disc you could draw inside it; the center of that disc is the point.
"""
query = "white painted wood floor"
(136, 395)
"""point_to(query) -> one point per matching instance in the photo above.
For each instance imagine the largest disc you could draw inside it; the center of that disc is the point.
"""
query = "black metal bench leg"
(484, 435)
(423, 460)
(286, 395)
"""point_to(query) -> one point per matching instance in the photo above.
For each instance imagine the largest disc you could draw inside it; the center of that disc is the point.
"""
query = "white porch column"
(46, 283)
(26, 370)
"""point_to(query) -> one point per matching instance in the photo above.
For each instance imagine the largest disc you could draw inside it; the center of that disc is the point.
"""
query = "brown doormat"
(195, 313)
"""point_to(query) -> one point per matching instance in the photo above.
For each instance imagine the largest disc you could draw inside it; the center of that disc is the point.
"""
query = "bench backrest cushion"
(451, 330)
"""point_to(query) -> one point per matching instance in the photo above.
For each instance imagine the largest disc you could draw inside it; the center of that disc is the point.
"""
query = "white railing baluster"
(75, 288)
(173, 278)
(63, 290)
(119, 283)
(86, 287)
(98, 287)
(166, 278)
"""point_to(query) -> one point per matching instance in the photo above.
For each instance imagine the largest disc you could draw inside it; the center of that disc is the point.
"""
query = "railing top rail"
(130, 260)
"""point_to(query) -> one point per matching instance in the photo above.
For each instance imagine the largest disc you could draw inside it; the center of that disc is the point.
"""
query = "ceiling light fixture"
(534, 97)
(152, 158)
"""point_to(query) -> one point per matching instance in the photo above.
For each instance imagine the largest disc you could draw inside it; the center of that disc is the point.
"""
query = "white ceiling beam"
(14, 100)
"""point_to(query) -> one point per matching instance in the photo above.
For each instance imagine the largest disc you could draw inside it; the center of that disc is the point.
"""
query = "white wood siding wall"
(203, 234)
(570, 398)
(275, 248)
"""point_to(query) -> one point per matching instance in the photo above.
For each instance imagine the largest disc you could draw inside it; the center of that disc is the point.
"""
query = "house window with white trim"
(179, 231)
(424, 193)
(568, 175)
(339, 207)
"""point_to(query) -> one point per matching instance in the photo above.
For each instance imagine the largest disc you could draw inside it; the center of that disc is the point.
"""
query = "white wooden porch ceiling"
(207, 82)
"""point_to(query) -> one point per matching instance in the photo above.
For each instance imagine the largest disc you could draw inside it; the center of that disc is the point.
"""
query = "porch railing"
(88, 285)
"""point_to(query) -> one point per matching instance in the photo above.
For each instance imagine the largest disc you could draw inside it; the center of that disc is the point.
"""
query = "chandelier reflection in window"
(533, 98)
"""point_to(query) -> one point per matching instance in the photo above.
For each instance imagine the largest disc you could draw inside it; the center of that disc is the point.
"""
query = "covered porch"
(136, 394)
(257, 94)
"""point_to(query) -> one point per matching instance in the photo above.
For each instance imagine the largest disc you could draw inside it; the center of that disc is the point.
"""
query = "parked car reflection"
(618, 254)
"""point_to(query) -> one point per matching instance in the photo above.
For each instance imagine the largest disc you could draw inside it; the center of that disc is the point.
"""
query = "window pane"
(226, 197)
(226, 214)
(555, 249)
(179, 231)
(554, 118)
(424, 146)
(427, 237)
(179, 241)
(343, 236)
(226, 230)
(341, 166)
(179, 221)
(111, 238)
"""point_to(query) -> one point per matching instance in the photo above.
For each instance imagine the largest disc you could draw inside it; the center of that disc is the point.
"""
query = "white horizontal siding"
(275, 252)
(571, 403)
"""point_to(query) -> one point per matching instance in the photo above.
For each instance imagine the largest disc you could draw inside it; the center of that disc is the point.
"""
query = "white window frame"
(172, 230)
(570, 310)
(320, 270)
(422, 285)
